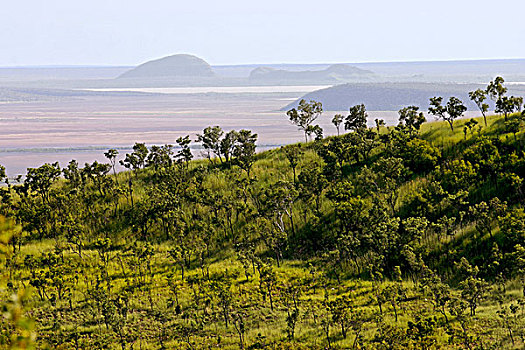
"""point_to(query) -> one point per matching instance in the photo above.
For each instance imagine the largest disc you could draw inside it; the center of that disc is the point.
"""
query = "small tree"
(184, 154)
(293, 153)
(453, 110)
(160, 156)
(439, 291)
(356, 120)
(304, 115)
(240, 327)
(458, 308)
(393, 294)
(469, 126)
(518, 103)
(210, 139)
(508, 105)
(478, 97)
(379, 124)
(136, 159)
(224, 296)
(41, 179)
(111, 155)
(411, 118)
(485, 215)
(341, 310)
(473, 288)
(510, 318)
(315, 130)
(73, 174)
(141, 152)
(495, 89)
(337, 120)
(244, 150)
(227, 144)
(268, 281)
(290, 296)
(513, 126)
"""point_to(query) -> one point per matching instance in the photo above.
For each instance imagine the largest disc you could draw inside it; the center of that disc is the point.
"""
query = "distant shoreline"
(217, 89)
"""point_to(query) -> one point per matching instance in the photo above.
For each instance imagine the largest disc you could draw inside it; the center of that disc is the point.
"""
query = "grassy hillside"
(394, 238)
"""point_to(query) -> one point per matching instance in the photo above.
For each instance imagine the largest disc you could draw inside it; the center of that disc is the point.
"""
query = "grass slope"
(131, 294)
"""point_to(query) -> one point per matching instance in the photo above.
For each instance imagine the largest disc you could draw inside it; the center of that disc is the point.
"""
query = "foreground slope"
(380, 238)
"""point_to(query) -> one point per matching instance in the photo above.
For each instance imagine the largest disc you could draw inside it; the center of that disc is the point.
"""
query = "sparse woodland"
(405, 237)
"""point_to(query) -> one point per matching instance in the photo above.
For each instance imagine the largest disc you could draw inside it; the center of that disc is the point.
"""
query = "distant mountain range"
(188, 67)
(183, 70)
(393, 96)
(190, 70)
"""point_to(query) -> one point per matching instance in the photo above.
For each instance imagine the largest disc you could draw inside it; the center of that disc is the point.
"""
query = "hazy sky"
(128, 32)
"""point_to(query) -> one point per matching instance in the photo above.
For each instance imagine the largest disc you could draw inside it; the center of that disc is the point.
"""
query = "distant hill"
(182, 65)
(392, 97)
(333, 74)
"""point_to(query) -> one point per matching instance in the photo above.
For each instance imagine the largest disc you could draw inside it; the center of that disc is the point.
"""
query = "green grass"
(142, 283)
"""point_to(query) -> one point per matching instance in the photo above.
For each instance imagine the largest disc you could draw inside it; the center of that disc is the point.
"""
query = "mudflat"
(82, 128)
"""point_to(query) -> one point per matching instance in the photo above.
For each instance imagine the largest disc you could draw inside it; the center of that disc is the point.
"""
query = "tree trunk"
(271, 299)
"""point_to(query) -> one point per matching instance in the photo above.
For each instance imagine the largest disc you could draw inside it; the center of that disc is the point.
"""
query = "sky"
(130, 32)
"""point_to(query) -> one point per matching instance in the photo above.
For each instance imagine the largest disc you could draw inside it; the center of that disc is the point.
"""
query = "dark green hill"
(392, 96)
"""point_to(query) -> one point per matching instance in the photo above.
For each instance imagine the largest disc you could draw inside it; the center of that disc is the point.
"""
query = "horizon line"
(51, 66)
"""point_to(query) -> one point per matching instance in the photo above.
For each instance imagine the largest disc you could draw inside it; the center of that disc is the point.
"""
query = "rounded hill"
(181, 65)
